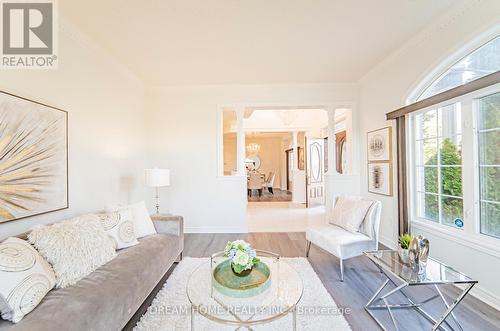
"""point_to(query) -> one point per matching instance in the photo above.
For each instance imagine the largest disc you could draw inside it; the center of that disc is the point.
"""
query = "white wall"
(183, 137)
(106, 125)
(230, 154)
(387, 87)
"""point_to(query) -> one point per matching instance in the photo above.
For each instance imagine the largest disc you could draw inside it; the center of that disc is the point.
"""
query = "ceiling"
(250, 42)
(277, 121)
(264, 135)
(286, 120)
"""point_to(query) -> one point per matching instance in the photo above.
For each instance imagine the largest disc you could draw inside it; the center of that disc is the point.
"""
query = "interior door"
(315, 173)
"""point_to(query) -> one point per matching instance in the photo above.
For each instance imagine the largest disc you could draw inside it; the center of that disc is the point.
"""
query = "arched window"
(454, 159)
(481, 62)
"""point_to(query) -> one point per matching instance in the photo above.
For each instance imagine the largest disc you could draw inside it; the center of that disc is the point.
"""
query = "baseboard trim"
(477, 291)
(215, 229)
(387, 242)
(486, 296)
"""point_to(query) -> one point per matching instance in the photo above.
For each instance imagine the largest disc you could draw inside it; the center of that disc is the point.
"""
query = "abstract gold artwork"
(33, 158)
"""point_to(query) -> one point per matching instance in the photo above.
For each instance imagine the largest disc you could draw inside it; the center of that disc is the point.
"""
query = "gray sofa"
(109, 297)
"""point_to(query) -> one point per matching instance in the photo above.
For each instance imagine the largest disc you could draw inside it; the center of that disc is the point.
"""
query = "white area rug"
(170, 309)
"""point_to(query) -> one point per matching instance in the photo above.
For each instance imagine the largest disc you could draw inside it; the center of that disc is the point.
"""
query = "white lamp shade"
(157, 177)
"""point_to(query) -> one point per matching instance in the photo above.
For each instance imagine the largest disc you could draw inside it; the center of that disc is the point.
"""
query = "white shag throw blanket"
(173, 295)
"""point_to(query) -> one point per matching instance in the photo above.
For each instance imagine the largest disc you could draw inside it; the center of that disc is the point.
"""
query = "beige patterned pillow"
(349, 212)
(119, 226)
(74, 248)
(25, 278)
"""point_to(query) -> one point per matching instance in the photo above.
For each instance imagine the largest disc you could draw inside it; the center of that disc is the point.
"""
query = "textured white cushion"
(74, 248)
(349, 212)
(25, 278)
(338, 241)
(119, 226)
(143, 225)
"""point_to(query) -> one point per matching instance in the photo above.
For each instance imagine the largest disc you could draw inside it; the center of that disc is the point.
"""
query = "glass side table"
(436, 274)
(280, 299)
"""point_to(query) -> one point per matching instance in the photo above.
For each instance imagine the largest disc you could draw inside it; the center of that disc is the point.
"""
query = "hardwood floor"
(279, 195)
(362, 279)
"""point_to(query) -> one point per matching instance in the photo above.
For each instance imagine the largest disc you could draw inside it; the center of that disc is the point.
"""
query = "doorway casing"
(335, 183)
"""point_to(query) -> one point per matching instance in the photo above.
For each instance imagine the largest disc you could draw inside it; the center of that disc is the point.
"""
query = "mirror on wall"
(252, 162)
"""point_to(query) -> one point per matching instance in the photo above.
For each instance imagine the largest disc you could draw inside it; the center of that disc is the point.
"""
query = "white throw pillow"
(25, 279)
(143, 225)
(349, 212)
(119, 226)
(74, 248)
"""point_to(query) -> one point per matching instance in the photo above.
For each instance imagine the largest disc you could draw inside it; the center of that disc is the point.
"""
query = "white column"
(332, 168)
(295, 150)
(240, 142)
(299, 176)
(351, 143)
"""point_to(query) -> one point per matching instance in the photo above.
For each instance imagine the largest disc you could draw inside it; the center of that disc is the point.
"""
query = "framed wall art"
(301, 158)
(380, 178)
(33, 158)
(379, 145)
(341, 151)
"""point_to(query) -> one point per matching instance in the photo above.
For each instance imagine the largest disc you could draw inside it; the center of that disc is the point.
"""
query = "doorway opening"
(265, 165)
(285, 157)
(277, 144)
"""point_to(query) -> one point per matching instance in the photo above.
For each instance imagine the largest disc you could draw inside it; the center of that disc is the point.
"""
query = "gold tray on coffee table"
(227, 283)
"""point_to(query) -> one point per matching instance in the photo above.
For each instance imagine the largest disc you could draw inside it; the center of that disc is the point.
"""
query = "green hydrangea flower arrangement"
(243, 257)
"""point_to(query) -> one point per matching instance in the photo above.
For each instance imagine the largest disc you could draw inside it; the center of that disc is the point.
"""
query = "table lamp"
(157, 178)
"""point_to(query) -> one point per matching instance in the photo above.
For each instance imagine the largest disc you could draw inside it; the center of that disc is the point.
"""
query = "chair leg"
(271, 190)
(179, 258)
(341, 270)
(308, 248)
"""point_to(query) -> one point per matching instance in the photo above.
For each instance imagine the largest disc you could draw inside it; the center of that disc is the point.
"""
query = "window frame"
(414, 166)
(458, 59)
(477, 174)
(471, 232)
(449, 60)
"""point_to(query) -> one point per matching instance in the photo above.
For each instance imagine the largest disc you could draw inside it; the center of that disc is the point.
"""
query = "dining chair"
(255, 182)
(270, 182)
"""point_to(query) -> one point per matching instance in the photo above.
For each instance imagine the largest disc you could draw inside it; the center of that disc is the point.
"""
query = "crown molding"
(441, 23)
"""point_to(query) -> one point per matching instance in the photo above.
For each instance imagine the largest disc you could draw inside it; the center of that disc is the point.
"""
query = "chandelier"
(253, 148)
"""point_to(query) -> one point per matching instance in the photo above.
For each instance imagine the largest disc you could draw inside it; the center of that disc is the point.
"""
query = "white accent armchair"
(345, 244)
